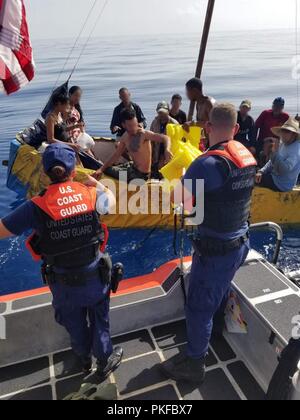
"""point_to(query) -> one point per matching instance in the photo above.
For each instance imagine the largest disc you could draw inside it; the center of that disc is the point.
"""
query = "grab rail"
(279, 234)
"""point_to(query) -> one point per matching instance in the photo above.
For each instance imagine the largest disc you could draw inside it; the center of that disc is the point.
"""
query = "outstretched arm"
(110, 162)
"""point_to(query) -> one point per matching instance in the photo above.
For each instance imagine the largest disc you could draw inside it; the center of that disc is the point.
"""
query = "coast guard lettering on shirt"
(67, 200)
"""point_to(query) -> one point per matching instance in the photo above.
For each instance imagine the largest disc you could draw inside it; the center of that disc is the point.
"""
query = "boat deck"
(139, 377)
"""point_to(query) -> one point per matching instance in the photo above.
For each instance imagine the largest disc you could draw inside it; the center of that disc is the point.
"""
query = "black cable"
(89, 38)
(76, 41)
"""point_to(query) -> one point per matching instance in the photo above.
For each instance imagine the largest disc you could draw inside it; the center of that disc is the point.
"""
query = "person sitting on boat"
(159, 126)
(70, 242)
(267, 120)
(162, 119)
(57, 128)
(221, 242)
(246, 135)
(282, 171)
(116, 126)
(75, 114)
(175, 111)
(137, 142)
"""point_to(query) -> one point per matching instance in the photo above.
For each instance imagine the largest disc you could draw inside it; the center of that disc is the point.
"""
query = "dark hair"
(60, 99)
(123, 89)
(195, 83)
(127, 115)
(73, 90)
(177, 97)
(58, 174)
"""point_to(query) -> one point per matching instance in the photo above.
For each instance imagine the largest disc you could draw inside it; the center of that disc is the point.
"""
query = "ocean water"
(255, 65)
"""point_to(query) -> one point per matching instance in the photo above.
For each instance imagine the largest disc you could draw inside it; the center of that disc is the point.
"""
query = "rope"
(76, 42)
(89, 38)
(297, 55)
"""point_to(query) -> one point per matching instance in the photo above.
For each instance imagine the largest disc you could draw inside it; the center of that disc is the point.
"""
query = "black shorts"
(132, 172)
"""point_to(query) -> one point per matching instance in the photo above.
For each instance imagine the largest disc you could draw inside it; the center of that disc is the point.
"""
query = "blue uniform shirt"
(212, 170)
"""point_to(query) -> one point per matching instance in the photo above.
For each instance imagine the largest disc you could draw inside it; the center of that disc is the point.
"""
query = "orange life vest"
(227, 209)
(236, 152)
(71, 233)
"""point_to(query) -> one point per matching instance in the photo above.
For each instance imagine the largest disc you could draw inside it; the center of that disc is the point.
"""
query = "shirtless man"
(137, 142)
(194, 90)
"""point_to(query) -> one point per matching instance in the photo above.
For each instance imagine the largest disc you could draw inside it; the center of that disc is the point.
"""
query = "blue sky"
(63, 18)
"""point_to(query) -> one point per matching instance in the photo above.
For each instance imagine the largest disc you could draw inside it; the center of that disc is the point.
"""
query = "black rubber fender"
(281, 386)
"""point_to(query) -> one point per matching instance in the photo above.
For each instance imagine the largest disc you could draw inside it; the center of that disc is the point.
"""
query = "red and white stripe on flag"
(16, 61)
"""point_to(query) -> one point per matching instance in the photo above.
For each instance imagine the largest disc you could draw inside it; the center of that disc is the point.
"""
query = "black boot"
(106, 368)
(86, 363)
(185, 369)
(78, 364)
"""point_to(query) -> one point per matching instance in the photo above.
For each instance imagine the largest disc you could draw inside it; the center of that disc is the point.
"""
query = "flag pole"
(203, 45)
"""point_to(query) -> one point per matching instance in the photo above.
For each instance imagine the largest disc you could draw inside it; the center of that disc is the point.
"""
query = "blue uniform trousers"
(210, 284)
(84, 313)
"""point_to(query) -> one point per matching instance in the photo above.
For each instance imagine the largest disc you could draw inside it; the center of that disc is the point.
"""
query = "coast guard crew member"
(221, 243)
(70, 240)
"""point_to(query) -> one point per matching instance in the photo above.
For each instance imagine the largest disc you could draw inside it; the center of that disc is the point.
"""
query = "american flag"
(16, 61)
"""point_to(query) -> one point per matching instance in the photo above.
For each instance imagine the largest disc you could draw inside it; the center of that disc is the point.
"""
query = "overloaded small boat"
(26, 178)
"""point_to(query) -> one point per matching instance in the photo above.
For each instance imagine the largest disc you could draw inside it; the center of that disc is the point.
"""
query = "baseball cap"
(163, 107)
(59, 154)
(279, 102)
(246, 103)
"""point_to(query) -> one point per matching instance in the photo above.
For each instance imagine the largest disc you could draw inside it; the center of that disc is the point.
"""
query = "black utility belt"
(108, 274)
(71, 279)
(211, 247)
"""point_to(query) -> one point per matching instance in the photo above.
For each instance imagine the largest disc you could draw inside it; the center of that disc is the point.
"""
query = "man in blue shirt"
(282, 171)
(69, 241)
(221, 242)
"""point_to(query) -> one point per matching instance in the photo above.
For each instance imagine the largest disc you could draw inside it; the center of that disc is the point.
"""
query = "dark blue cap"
(59, 154)
(279, 102)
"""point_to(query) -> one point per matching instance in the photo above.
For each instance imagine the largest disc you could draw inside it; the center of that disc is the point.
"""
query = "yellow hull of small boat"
(281, 208)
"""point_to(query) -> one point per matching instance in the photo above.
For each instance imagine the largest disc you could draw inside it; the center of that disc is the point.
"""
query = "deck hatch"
(280, 314)
(255, 280)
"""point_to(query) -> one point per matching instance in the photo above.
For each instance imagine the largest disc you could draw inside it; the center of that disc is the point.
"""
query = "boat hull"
(262, 292)
(280, 208)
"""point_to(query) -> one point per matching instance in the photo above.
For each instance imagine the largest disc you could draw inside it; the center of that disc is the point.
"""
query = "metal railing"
(279, 236)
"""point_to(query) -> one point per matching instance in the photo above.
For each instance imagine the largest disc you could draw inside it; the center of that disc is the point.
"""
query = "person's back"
(221, 243)
(69, 240)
